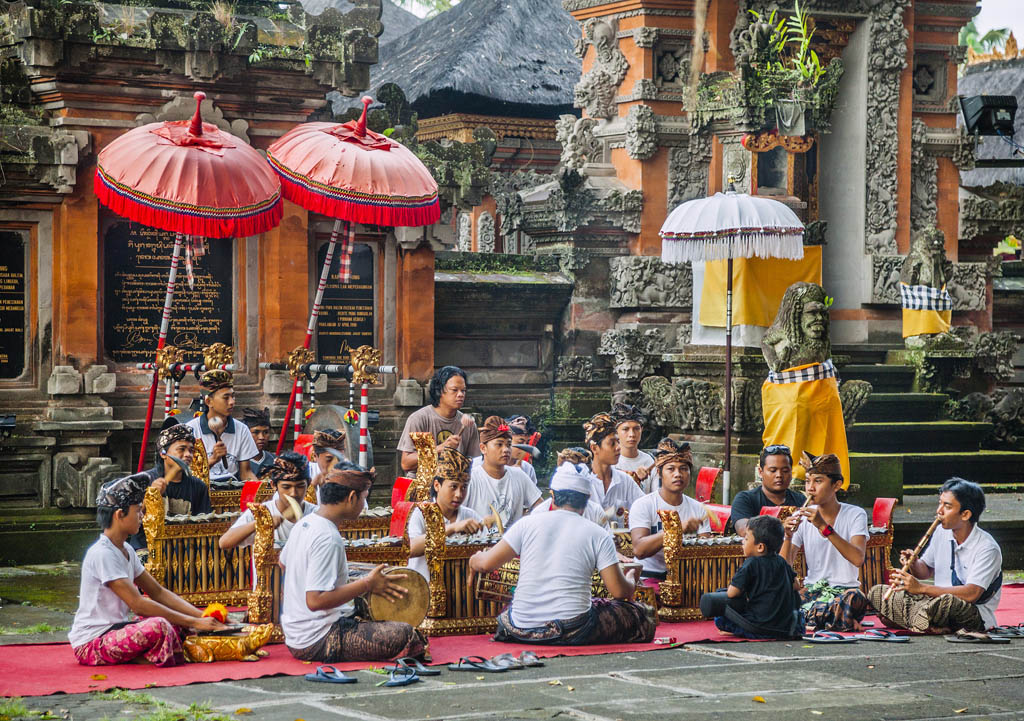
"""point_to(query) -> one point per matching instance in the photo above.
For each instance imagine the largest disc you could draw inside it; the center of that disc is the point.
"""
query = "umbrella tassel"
(345, 260)
(189, 270)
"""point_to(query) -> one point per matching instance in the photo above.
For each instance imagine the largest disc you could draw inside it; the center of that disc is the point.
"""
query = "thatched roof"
(492, 57)
(396, 21)
(1000, 77)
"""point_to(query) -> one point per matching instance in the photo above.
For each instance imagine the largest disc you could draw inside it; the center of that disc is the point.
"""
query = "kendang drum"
(411, 608)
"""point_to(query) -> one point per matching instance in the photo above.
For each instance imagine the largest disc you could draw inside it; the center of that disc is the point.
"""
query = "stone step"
(904, 407)
(924, 472)
(883, 378)
(890, 437)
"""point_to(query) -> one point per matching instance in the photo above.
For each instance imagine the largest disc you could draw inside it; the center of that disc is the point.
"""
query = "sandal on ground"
(529, 658)
(828, 637)
(1006, 632)
(401, 676)
(881, 634)
(415, 665)
(963, 636)
(476, 663)
(507, 660)
(329, 674)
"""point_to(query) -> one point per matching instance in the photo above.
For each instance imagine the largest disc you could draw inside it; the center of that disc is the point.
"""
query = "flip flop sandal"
(476, 663)
(415, 665)
(880, 634)
(962, 636)
(507, 660)
(329, 674)
(402, 676)
(867, 624)
(529, 658)
(1006, 632)
(828, 637)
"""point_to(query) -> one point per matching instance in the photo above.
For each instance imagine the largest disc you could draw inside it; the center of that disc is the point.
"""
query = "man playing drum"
(552, 602)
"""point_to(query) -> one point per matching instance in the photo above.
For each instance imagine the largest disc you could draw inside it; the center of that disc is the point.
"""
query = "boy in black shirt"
(761, 601)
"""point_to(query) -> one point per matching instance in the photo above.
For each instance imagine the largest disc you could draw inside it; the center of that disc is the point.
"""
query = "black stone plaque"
(347, 318)
(13, 319)
(137, 260)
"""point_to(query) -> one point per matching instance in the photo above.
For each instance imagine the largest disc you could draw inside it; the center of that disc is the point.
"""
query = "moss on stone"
(454, 261)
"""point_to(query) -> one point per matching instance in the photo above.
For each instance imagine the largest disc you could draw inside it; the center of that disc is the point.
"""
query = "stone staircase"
(912, 428)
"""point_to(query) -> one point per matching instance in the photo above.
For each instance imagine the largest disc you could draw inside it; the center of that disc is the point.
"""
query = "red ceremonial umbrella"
(191, 178)
(353, 175)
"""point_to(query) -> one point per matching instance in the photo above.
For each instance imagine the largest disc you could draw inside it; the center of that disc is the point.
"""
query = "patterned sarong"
(155, 639)
(353, 639)
(920, 613)
(607, 621)
(926, 310)
(842, 613)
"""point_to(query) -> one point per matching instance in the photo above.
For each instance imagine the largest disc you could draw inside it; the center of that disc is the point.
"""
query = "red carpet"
(54, 669)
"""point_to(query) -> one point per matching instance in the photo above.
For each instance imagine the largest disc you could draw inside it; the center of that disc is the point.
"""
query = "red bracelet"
(827, 531)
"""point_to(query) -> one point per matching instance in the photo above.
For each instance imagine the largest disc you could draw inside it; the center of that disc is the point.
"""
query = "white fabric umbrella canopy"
(722, 227)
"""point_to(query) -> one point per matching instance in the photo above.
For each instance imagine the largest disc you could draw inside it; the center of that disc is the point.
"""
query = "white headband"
(571, 477)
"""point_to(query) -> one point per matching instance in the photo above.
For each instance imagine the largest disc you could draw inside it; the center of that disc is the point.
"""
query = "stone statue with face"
(800, 333)
(926, 263)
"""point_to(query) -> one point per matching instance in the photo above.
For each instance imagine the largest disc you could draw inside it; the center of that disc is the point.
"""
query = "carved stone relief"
(575, 369)
(929, 81)
(966, 286)
(688, 170)
(576, 136)
(485, 240)
(182, 108)
(624, 209)
(646, 282)
(596, 90)
(644, 36)
(641, 132)
(924, 187)
(464, 234)
(736, 166)
(672, 66)
(636, 352)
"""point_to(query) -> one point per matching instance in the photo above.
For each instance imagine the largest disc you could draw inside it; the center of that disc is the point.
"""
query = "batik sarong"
(920, 613)
(607, 621)
(840, 613)
(354, 639)
(155, 639)
(926, 310)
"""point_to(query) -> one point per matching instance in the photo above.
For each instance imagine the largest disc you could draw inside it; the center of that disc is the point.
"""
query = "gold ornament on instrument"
(434, 548)
(914, 554)
(218, 354)
(361, 358)
(165, 358)
(153, 525)
(200, 465)
(206, 649)
(261, 598)
(426, 466)
(298, 358)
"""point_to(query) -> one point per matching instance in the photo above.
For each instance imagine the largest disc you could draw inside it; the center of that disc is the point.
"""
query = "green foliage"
(36, 628)
(787, 55)
(992, 40)
(434, 7)
(160, 710)
(13, 708)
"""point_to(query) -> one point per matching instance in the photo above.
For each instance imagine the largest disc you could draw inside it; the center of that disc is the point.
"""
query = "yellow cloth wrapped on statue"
(802, 410)
(758, 285)
(926, 310)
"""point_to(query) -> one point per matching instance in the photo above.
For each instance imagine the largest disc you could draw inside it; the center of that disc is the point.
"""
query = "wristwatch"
(827, 531)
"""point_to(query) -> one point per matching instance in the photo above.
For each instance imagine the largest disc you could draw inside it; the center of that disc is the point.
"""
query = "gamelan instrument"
(915, 553)
(411, 608)
(499, 585)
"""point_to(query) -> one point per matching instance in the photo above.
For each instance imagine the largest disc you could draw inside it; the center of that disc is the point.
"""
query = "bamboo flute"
(915, 553)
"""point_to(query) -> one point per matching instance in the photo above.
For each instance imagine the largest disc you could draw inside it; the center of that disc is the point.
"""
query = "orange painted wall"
(284, 285)
(415, 313)
(76, 318)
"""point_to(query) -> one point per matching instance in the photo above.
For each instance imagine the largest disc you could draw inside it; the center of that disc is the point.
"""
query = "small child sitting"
(761, 601)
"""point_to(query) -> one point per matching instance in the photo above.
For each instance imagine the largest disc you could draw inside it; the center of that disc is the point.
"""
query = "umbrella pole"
(728, 383)
(165, 323)
(312, 324)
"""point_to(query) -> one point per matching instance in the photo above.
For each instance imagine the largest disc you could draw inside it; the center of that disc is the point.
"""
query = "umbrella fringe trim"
(382, 211)
(348, 194)
(786, 246)
(183, 218)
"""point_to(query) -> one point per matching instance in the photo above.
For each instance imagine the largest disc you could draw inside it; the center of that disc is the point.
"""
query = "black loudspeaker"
(989, 114)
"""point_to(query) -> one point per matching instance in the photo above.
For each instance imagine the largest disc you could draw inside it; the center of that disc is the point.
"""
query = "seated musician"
(775, 469)
(645, 528)
(496, 484)
(965, 562)
(328, 448)
(629, 427)
(834, 538)
(522, 430)
(105, 630)
(258, 422)
(578, 457)
(762, 599)
(184, 493)
(610, 487)
(288, 476)
(559, 552)
(443, 419)
(229, 445)
(447, 490)
(318, 612)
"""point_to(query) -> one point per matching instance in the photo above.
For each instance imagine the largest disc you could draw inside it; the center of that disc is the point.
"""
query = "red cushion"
(770, 511)
(399, 490)
(881, 514)
(719, 516)
(304, 444)
(249, 491)
(705, 486)
(400, 517)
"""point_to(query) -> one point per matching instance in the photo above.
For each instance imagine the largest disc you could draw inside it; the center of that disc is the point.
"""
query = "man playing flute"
(965, 562)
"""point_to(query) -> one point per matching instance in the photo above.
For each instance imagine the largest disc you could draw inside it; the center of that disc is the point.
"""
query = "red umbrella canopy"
(190, 177)
(346, 171)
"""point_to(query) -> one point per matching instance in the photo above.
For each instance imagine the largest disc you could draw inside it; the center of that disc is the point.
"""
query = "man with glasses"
(775, 469)
(443, 419)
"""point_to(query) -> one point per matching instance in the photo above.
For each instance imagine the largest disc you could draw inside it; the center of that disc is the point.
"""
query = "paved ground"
(925, 679)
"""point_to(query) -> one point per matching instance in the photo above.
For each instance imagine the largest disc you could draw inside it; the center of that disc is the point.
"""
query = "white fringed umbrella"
(722, 227)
